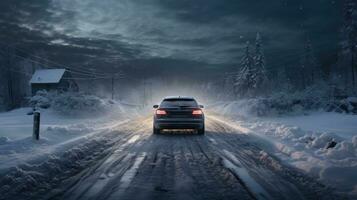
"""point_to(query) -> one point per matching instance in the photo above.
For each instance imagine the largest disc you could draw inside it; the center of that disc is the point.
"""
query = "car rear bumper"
(179, 123)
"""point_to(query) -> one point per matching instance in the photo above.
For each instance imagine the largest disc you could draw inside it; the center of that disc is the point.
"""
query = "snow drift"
(314, 98)
(74, 103)
(330, 156)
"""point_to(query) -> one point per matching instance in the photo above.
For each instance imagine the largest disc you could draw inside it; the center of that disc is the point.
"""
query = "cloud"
(157, 31)
(204, 31)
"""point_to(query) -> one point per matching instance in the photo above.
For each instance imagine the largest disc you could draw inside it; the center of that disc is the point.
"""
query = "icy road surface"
(129, 162)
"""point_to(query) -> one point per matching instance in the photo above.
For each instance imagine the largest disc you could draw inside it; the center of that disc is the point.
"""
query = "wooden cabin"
(52, 80)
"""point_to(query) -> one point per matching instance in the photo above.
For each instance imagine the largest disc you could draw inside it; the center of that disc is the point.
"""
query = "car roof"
(179, 97)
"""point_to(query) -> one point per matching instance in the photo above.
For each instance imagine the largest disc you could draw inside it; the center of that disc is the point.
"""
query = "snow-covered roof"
(47, 76)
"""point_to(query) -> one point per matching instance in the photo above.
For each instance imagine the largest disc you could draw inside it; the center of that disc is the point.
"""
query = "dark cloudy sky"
(169, 34)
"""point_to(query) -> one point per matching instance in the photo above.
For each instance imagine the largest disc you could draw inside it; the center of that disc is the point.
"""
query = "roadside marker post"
(36, 125)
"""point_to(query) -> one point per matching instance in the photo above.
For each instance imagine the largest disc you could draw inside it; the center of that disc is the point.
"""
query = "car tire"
(201, 131)
(156, 131)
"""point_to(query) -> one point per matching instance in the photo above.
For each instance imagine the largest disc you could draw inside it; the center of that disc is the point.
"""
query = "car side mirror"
(155, 106)
(201, 106)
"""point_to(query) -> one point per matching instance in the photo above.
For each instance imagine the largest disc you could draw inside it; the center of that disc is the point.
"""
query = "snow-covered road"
(129, 162)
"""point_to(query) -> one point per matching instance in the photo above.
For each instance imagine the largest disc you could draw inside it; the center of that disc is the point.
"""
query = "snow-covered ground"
(69, 144)
(57, 131)
(106, 156)
(306, 141)
(344, 125)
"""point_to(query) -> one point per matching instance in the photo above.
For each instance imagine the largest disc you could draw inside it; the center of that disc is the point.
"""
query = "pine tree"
(283, 82)
(228, 86)
(309, 67)
(8, 61)
(348, 55)
(261, 79)
(245, 79)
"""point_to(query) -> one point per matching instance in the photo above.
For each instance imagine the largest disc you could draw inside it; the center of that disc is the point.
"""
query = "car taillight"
(197, 112)
(161, 112)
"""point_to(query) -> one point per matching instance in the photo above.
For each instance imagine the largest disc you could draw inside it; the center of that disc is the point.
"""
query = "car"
(179, 113)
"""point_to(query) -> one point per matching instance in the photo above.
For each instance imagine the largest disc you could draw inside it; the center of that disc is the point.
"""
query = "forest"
(305, 80)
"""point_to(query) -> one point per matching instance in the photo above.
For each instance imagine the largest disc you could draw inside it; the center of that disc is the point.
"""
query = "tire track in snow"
(110, 169)
(78, 187)
(230, 162)
(127, 177)
(242, 150)
(212, 175)
(52, 169)
(176, 168)
(221, 165)
(233, 164)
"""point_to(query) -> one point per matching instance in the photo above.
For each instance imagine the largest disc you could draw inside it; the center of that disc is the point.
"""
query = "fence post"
(36, 125)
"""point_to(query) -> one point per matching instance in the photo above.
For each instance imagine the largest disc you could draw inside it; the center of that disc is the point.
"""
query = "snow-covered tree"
(15, 74)
(310, 70)
(345, 72)
(228, 86)
(9, 79)
(245, 81)
(261, 78)
(283, 82)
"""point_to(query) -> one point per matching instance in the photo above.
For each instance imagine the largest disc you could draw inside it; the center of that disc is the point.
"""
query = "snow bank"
(50, 169)
(276, 106)
(74, 126)
(17, 145)
(4, 140)
(314, 98)
(69, 130)
(325, 155)
(73, 103)
(258, 107)
(323, 144)
(16, 124)
(342, 124)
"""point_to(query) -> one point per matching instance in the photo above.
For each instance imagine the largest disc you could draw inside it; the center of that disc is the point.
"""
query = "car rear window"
(178, 103)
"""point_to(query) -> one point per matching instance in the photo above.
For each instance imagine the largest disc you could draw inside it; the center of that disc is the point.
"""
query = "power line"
(96, 75)
(77, 78)
(92, 76)
(21, 72)
(84, 71)
(41, 58)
